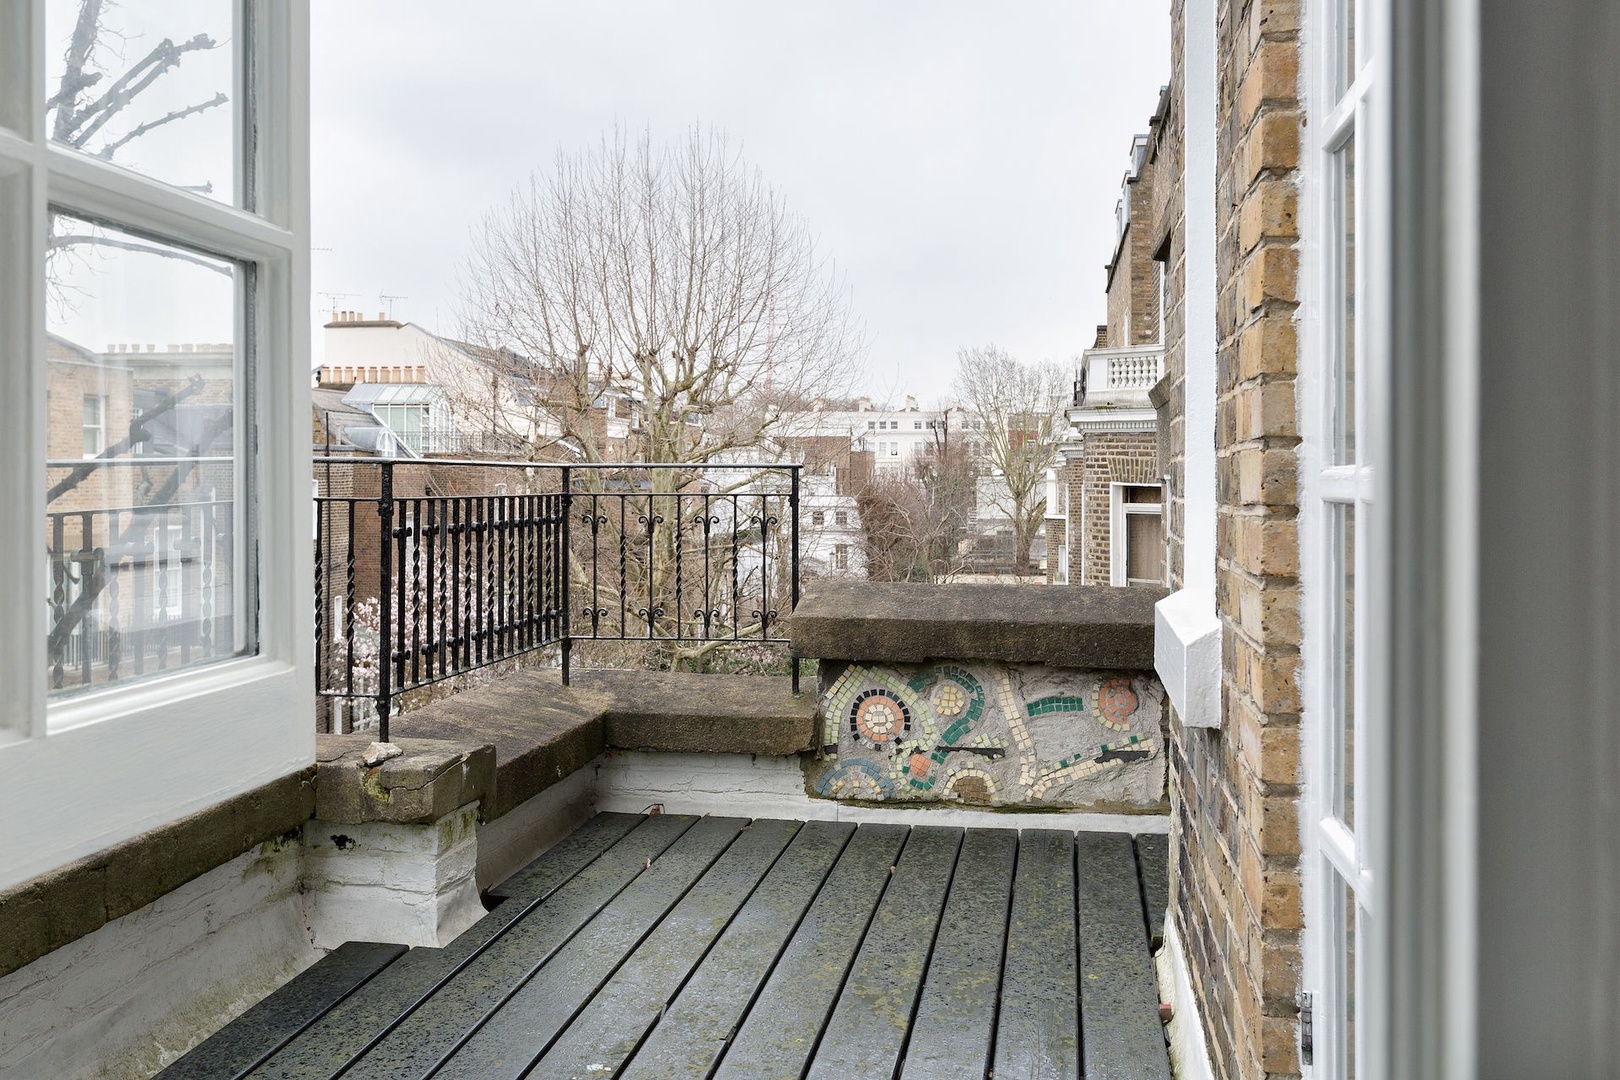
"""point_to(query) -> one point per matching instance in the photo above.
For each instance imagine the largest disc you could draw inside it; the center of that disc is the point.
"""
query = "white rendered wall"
(745, 785)
(406, 345)
(410, 884)
(135, 994)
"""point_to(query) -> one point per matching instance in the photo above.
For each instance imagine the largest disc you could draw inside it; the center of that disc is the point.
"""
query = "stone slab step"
(686, 712)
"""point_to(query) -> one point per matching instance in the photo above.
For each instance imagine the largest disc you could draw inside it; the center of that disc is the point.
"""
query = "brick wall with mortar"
(1167, 231)
(1133, 287)
(1234, 790)
(1109, 458)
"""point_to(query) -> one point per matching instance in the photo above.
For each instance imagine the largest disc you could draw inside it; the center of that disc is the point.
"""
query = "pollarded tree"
(672, 273)
(1019, 408)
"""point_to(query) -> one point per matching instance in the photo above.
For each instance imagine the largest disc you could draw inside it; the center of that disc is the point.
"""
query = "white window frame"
(1335, 853)
(89, 771)
(100, 426)
(1118, 533)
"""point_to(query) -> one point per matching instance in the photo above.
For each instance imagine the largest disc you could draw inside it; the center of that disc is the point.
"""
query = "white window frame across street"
(96, 768)
(1338, 853)
(1118, 531)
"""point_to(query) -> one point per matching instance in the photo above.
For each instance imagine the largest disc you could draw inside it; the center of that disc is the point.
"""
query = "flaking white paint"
(1189, 1054)
(410, 884)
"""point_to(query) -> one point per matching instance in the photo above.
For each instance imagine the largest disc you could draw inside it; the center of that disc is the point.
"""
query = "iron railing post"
(563, 560)
(385, 566)
(793, 562)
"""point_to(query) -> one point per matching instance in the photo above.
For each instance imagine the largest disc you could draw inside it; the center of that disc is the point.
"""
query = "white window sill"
(1187, 655)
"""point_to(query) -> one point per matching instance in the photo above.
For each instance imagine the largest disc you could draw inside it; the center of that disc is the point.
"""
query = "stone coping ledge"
(687, 712)
(57, 908)
(428, 781)
(542, 731)
(1064, 626)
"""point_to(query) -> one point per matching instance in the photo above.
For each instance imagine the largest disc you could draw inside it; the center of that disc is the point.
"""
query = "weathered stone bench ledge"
(541, 731)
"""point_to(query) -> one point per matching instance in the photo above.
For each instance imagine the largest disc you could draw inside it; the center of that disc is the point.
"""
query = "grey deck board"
(1153, 863)
(1119, 995)
(506, 1044)
(780, 1032)
(867, 1032)
(326, 1046)
(422, 1039)
(951, 1036)
(664, 947)
(567, 856)
(607, 1032)
(693, 1029)
(267, 1026)
(1038, 1031)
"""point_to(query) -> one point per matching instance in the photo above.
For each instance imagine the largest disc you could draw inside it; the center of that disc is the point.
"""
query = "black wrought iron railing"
(429, 570)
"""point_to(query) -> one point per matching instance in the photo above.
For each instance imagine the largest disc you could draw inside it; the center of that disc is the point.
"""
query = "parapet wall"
(1016, 696)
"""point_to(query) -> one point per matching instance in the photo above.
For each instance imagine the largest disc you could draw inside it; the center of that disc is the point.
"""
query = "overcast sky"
(960, 161)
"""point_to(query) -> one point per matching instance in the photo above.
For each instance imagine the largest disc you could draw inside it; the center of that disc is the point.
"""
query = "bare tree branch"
(67, 240)
(83, 123)
(75, 78)
(106, 152)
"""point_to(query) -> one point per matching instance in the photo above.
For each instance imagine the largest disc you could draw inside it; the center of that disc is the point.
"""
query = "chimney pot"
(381, 316)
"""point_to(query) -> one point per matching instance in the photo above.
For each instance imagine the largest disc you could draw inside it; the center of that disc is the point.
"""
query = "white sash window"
(153, 369)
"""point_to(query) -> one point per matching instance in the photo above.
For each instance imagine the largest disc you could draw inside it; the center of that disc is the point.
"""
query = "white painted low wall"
(741, 785)
(124, 1001)
(1189, 1055)
(408, 884)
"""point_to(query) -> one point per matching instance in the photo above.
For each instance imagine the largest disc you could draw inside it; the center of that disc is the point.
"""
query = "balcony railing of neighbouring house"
(139, 574)
(1118, 377)
(430, 570)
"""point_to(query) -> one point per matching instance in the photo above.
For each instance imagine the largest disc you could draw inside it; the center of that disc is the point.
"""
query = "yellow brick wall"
(1234, 790)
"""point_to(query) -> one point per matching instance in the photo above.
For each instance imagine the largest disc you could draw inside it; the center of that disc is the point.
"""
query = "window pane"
(1144, 547)
(1346, 60)
(1342, 724)
(142, 508)
(148, 85)
(1344, 360)
(1345, 990)
(14, 48)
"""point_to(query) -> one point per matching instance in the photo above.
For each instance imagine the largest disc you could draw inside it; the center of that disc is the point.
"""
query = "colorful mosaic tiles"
(992, 734)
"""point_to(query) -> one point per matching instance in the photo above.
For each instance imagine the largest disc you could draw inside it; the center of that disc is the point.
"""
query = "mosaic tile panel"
(992, 734)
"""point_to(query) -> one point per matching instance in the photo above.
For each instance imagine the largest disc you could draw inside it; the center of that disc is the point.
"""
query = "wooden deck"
(673, 946)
